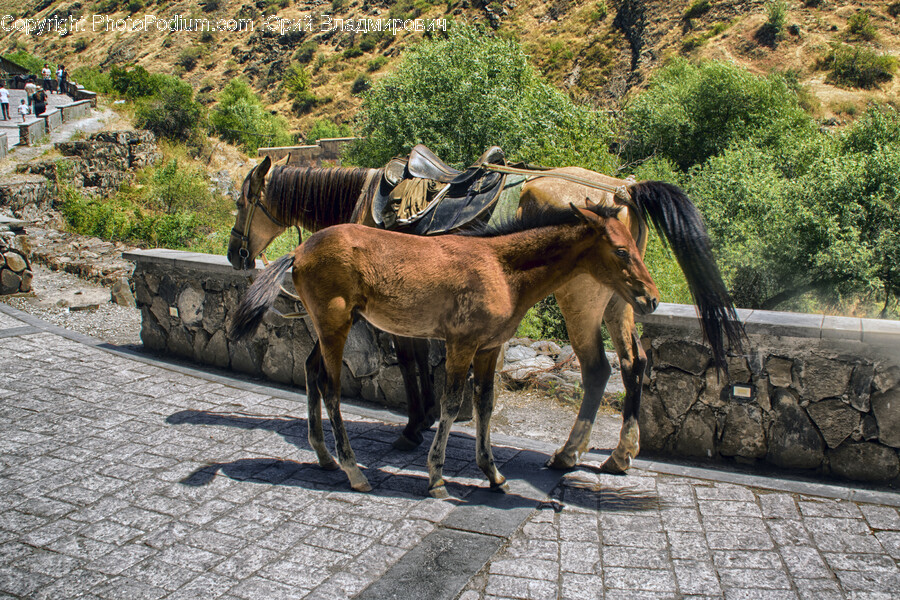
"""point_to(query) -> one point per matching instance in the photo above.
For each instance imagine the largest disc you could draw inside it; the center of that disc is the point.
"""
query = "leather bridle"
(244, 236)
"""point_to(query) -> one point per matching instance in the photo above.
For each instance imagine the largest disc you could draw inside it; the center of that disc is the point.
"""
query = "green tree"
(241, 118)
(691, 112)
(467, 91)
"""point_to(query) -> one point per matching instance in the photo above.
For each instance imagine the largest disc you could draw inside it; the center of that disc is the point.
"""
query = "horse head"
(254, 227)
(616, 260)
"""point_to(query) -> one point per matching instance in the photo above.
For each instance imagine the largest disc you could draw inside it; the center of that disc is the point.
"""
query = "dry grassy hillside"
(598, 50)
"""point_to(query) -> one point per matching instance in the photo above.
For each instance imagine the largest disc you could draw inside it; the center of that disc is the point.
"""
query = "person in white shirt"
(30, 89)
(46, 74)
(24, 110)
(4, 101)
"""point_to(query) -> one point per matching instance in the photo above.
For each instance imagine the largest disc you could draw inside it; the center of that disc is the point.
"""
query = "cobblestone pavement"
(127, 477)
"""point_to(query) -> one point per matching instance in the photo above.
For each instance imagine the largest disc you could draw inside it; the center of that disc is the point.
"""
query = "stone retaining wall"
(100, 163)
(326, 149)
(52, 118)
(186, 301)
(15, 270)
(31, 131)
(810, 392)
(75, 110)
(814, 393)
(27, 196)
(4, 146)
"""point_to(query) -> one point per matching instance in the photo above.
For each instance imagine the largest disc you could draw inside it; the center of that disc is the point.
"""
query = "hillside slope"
(598, 50)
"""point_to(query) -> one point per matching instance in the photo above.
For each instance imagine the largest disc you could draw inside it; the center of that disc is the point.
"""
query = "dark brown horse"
(470, 291)
(317, 198)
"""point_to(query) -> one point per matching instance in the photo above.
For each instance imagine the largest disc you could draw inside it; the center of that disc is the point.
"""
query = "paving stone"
(646, 558)
(697, 578)
(881, 517)
(578, 557)
(816, 589)
(526, 567)
(651, 580)
(788, 532)
(517, 587)
(804, 562)
(890, 541)
(768, 579)
(578, 585)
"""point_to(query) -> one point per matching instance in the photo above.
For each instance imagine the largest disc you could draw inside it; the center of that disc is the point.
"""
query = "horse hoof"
(364, 487)
(500, 488)
(439, 492)
(405, 444)
(329, 465)
(612, 466)
(561, 462)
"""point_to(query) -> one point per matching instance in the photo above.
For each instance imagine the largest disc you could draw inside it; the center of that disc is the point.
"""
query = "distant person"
(30, 89)
(4, 101)
(61, 76)
(46, 73)
(40, 102)
(24, 110)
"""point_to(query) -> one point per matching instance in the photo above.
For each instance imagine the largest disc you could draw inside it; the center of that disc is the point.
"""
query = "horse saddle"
(421, 194)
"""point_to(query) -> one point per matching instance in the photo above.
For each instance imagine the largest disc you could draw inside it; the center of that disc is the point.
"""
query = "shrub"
(692, 112)
(854, 66)
(241, 118)
(80, 45)
(599, 13)
(860, 26)
(175, 188)
(306, 52)
(325, 128)
(772, 31)
(188, 57)
(893, 9)
(171, 111)
(697, 8)
(376, 63)
(134, 83)
(296, 80)
(360, 85)
(352, 52)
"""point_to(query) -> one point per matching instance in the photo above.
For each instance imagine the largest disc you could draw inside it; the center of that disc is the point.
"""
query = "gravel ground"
(67, 301)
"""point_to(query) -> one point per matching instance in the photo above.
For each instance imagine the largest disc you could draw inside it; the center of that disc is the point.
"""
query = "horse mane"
(315, 198)
(543, 216)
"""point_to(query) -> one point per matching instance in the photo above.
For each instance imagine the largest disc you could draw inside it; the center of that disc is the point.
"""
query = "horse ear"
(589, 204)
(258, 176)
(579, 213)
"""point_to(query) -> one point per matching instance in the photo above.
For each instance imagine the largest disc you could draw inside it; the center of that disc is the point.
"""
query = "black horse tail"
(680, 226)
(260, 297)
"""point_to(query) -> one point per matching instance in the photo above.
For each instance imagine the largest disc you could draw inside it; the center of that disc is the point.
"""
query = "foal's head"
(615, 259)
(255, 227)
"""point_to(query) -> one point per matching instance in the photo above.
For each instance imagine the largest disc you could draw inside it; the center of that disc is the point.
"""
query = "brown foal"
(470, 290)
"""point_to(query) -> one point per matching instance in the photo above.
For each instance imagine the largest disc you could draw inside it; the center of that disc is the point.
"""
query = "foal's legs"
(332, 348)
(582, 302)
(457, 365)
(620, 324)
(485, 365)
(315, 374)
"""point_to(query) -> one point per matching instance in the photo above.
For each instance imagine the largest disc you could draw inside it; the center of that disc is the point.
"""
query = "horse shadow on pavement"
(395, 473)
